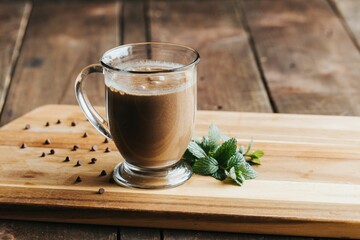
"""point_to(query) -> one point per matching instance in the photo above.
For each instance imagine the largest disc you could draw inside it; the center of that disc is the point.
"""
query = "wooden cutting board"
(308, 184)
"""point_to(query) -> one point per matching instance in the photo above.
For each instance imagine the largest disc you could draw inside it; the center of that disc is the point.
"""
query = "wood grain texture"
(21, 230)
(13, 17)
(294, 193)
(199, 235)
(350, 11)
(309, 61)
(139, 233)
(134, 27)
(62, 38)
(228, 76)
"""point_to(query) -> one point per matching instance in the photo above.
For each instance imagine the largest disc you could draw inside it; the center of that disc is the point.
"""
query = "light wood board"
(308, 183)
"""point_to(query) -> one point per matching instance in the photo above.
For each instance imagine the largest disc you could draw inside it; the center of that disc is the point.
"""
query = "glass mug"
(150, 107)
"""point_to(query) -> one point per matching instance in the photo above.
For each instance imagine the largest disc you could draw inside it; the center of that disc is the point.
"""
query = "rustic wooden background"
(288, 56)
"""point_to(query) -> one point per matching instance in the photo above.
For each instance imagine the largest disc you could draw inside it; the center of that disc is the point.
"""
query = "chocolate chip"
(93, 160)
(219, 107)
(58, 121)
(23, 145)
(101, 191)
(43, 155)
(47, 142)
(75, 147)
(47, 124)
(78, 179)
(78, 163)
(85, 135)
(73, 123)
(106, 140)
(103, 173)
(27, 126)
(94, 148)
(107, 150)
(67, 159)
(52, 151)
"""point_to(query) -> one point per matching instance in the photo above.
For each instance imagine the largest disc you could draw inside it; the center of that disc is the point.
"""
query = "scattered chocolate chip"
(101, 191)
(78, 163)
(103, 173)
(73, 123)
(85, 135)
(43, 155)
(107, 150)
(219, 107)
(58, 121)
(93, 160)
(75, 147)
(47, 124)
(27, 126)
(67, 159)
(52, 151)
(94, 148)
(78, 179)
(47, 142)
(106, 140)
(23, 145)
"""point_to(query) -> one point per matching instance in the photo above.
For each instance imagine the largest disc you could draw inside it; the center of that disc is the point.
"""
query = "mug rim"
(175, 69)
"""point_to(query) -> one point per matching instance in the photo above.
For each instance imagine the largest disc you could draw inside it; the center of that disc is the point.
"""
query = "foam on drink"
(146, 82)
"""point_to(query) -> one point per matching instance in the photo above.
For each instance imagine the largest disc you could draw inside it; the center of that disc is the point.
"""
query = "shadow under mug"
(150, 107)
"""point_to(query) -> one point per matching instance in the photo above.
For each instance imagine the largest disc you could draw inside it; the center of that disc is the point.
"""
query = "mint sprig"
(217, 155)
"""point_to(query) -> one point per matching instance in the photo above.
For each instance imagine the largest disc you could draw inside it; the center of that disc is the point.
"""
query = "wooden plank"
(132, 233)
(228, 76)
(75, 35)
(309, 61)
(14, 17)
(21, 230)
(133, 20)
(200, 235)
(312, 185)
(349, 12)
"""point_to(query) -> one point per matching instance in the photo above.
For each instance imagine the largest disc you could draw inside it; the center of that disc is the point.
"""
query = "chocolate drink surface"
(151, 117)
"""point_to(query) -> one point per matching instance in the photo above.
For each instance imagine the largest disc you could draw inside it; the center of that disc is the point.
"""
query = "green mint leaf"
(235, 160)
(254, 161)
(207, 146)
(258, 153)
(242, 149)
(225, 151)
(231, 173)
(249, 146)
(214, 137)
(238, 179)
(255, 157)
(220, 174)
(196, 150)
(245, 170)
(205, 166)
(224, 138)
(189, 157)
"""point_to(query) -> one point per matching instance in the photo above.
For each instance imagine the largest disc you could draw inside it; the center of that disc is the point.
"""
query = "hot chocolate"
(151, 116)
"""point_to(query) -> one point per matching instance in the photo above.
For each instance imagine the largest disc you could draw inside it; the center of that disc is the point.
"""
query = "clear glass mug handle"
(95, 119)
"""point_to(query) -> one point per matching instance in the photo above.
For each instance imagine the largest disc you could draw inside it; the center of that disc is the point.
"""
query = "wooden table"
(287, 56)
